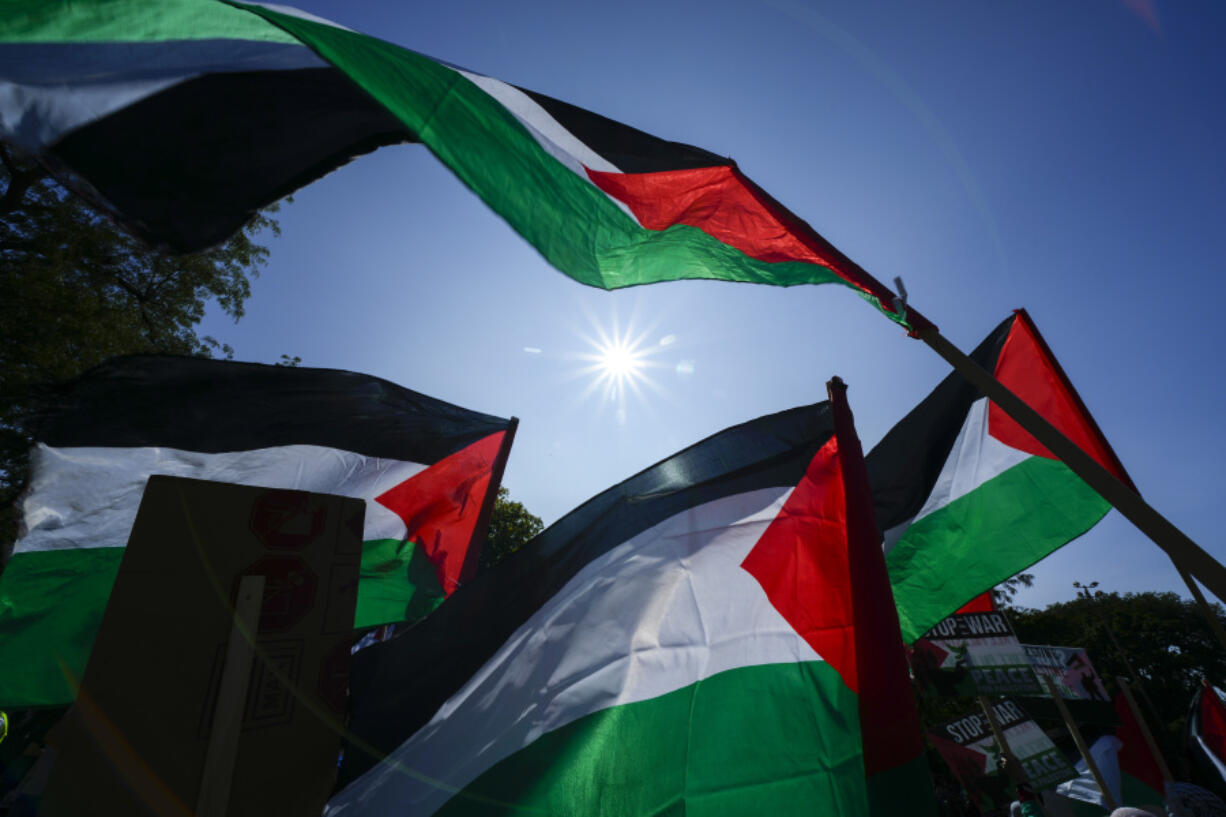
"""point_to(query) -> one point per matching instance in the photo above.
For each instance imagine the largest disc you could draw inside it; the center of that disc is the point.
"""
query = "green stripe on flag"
(1136, 792)
(397, 583)
(119, 21)
(570, 221)
(51, 605)
(775, 739)
(1002, 527)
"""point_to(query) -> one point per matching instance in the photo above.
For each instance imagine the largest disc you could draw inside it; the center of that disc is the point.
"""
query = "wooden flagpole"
(1108, 798)
(891, 733)
(1011, 762)
(1186, 554)
(1215, 624)
(1012, 765)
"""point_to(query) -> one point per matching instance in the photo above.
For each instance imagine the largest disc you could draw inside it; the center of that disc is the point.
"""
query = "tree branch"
(7, 159)
(140, 297)
(20, 181)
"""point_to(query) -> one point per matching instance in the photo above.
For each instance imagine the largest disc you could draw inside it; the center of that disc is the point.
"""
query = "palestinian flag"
(182, 117)
(426, 469)
(1206, 738)
(711, 636)
(1114, 756)
(965, 498)
(1141, 778)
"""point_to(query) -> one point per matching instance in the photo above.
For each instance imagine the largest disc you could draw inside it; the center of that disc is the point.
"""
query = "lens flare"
(618, 364)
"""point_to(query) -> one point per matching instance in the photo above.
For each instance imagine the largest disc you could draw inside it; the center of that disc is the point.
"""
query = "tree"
(1167, 641)
(511, 525)
(1165, 638)
(1004, 593)
(78, 290)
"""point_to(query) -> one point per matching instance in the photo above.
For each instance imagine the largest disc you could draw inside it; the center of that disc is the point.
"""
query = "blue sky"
(1063, 157)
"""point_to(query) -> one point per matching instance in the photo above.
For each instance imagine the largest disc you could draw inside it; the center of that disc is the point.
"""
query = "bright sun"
(620, 361)
(618, 364)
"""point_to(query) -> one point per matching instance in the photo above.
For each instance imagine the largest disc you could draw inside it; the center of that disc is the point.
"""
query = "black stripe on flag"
(904, 466)
(242, 140)
(214, 406)
(397, 686)
(630, 149)
(51, 64)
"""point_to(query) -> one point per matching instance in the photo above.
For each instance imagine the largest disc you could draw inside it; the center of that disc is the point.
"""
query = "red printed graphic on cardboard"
(287, 520)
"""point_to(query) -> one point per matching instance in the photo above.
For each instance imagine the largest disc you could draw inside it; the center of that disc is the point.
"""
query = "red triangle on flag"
(1027, 367)
(821, 565)
(801, 563)
(1134, 756)
(1213, 721)
(440, 507)
(983, 603)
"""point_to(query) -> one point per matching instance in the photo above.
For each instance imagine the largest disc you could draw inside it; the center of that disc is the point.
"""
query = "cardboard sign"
(1070, 669)
(136, 740)
(970, 749)
(973, 654)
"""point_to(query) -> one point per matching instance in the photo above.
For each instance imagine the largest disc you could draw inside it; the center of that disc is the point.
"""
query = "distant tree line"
(78, 290)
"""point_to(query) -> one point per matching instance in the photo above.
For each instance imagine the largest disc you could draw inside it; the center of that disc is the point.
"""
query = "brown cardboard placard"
(136, 740)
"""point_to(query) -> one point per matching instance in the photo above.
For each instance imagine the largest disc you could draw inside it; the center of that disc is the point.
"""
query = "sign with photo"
(1070, 669)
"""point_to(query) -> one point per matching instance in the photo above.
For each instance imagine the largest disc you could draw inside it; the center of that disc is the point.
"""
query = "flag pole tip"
(900, 300)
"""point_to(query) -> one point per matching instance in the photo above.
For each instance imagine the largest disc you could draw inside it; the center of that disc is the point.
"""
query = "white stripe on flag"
(560, 143)
(975, 458)
(661, 612)
(88, 497)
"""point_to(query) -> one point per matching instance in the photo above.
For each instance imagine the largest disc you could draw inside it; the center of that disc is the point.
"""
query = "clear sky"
(1063, 157)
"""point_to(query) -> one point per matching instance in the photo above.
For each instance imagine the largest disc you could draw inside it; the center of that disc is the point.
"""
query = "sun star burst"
(618, 365)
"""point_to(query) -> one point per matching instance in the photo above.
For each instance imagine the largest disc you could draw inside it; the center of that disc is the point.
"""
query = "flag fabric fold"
(965, 498)
(690, 640)
(1141, 778)
(110, 94)
(1206, 737)
(424, 467)
(1084, 787)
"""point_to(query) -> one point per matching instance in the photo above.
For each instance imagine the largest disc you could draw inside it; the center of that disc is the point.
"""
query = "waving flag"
(1206, 736)
(182, 117)
(708, 636)
(425, 468)
(965, 498)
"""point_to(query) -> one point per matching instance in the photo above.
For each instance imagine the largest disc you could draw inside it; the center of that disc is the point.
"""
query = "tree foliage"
(1164, 637)
(511, 525)
(78, 290)
(1005, 592)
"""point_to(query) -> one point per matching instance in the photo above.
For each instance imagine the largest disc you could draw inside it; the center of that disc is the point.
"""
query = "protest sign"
(140, 739)
(1070, 669)
(968, 746)
(973, 654)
